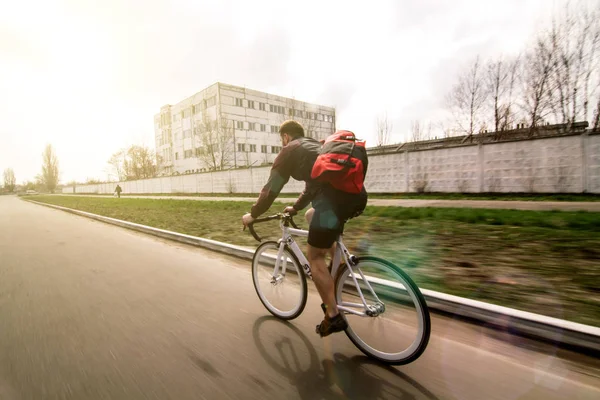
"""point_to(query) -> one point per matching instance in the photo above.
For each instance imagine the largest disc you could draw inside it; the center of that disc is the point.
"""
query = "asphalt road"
(93, 311)
(493, 204)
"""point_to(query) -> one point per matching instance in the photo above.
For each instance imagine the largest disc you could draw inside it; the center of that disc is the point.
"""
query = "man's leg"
(309, 215)
(322, 278)
(322, 232)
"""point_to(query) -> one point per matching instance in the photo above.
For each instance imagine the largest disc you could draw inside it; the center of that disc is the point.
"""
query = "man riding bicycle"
(331, 208)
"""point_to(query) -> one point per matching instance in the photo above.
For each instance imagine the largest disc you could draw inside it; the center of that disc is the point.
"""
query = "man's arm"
(307, 195)
(279, 176)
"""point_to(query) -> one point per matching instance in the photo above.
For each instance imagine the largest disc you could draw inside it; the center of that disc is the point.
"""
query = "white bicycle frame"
(340, 251)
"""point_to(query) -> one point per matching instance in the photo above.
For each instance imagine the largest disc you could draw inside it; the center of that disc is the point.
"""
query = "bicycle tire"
(297, 310)
(422, 338)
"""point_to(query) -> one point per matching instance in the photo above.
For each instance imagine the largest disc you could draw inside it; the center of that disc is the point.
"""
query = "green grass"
(546, 262)
(576, 220)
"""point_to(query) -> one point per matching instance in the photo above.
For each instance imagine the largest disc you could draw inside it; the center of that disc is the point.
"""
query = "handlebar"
(286, 217)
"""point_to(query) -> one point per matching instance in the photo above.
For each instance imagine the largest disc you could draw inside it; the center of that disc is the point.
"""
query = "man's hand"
(290, 210)
(247, 219)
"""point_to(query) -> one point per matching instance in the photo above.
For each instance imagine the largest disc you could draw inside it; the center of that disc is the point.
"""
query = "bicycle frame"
(340, 251)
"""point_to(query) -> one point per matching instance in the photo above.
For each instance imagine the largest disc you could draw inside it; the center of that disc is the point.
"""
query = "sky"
(89, 76)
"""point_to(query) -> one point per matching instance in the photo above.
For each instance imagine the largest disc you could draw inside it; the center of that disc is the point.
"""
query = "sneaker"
(331, 325)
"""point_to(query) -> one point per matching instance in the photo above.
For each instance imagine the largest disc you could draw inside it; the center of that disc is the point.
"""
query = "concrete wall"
(564, 164)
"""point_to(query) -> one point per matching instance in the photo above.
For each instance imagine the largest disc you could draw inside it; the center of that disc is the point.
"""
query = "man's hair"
(292, 128)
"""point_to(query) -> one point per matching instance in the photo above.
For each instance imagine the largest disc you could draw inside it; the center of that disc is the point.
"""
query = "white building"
(225, 126)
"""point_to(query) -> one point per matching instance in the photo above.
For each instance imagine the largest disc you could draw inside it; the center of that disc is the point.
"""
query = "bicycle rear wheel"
(280, 286)
(398, 327)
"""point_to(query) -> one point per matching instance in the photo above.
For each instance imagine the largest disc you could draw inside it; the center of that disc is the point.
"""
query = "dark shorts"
(332, 209)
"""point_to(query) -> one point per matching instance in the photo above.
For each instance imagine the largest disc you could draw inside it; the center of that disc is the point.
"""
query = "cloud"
(338, 95)
(96, 73)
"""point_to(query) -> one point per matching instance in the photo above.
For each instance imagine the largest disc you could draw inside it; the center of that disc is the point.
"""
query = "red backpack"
(342, 162)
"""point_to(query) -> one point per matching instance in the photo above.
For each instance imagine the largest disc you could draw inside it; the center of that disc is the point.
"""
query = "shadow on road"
(288, 351)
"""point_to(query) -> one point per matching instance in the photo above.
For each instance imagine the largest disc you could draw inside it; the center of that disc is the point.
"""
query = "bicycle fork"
(278, 277)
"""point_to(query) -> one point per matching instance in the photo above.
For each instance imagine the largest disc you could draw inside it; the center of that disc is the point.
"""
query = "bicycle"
(285, 265)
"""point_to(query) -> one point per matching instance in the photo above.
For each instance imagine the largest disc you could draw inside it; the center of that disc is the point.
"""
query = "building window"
(176, 155)
(211, 102)
(252, 148)
(251, 126)
(275, 149)
(198, 151)
(186, 113)
(277, 109)
(274, 129)
(263, 127)
(239, 124)
(239, 102)
(251, 104)
(241, 147)
(187, 154)
(261, 106)
(263, 148)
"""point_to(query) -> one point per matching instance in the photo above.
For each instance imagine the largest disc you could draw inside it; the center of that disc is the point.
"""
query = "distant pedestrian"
(118, 190)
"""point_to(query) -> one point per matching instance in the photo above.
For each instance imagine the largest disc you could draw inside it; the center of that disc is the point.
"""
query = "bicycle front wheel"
(279, 280)
(395, 326)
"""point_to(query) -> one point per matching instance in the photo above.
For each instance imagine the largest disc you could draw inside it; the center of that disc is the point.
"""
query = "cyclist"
(330, 210)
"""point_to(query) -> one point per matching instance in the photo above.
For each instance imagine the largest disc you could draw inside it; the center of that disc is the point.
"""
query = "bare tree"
(592, 68)
(216, 142)
(116, 161)
(140, 163)
(537, 79)
(9, 180)
(384, 129)
(467, 98)
(575, 37)
(50, 173)
(443, 127)
(596, 120)
(415, 131)
(135, 162)
(418, 132)
(500, 78)
(509, 112)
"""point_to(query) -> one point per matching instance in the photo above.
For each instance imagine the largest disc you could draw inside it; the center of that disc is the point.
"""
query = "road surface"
(494, 204)
(93, 311)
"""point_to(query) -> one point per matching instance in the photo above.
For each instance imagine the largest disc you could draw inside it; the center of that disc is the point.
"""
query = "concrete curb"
(580, 336)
